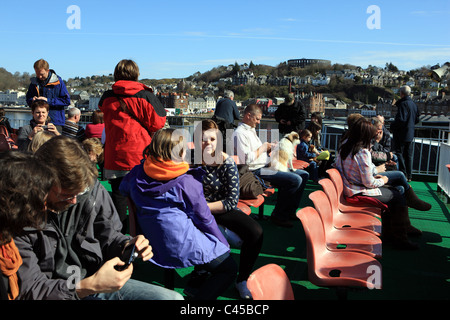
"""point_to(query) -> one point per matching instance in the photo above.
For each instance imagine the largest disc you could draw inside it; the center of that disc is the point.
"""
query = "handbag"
(250, 186)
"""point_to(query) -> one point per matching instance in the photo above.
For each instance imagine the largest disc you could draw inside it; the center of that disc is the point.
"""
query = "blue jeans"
(138, 290)
(313, 171)
(397, 179)
(290, 187)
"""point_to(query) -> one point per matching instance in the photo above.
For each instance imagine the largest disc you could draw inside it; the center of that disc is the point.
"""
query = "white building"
(13, 98)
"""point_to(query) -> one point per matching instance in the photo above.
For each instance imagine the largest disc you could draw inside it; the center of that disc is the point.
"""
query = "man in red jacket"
(131, 114)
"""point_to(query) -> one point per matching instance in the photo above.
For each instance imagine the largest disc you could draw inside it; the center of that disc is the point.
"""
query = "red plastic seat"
(448, 167)
(259, 200)
(345, 239)
(244, 208)
(344, 205)
(328, 268)
(269, 192)
(300, 164)
(270, 282)
(353, 220)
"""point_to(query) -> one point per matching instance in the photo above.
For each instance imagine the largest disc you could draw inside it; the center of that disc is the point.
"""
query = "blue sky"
(178, 38)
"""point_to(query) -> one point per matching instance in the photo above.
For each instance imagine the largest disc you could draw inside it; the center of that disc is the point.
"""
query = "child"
(308, 153)
(173, 214)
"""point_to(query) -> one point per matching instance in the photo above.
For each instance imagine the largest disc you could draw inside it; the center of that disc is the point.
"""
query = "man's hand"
(52, 128)
(143, 248)
(106, 279)
(39, 98)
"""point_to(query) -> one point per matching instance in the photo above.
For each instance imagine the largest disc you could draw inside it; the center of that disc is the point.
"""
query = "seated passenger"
(40, 122)
(95, 129)
(360, 177)
(308, 153)
(77, 252)
(24, 186)
(221, 188)
(172, 212)
(381, 154)
(253, 152)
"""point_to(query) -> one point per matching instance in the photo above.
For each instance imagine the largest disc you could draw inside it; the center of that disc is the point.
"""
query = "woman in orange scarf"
(24, 185)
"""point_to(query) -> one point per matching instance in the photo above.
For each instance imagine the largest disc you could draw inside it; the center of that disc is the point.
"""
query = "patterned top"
(222, 183)
(358, 174)
(73, 130)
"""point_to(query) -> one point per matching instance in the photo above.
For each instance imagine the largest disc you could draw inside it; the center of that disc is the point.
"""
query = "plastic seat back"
(323, 208)
(335, 176)
(330, 190)
(270, 282)
(315, 236)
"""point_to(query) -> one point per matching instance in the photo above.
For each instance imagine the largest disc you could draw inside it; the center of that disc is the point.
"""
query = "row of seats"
(342, 245)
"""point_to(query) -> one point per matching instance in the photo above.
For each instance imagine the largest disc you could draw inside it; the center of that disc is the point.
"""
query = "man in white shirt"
(253, 152)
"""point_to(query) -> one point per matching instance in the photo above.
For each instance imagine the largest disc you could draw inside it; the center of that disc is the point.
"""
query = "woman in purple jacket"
(172, 212)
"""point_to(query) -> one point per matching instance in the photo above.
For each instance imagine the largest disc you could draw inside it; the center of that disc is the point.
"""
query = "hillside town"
(192, 96)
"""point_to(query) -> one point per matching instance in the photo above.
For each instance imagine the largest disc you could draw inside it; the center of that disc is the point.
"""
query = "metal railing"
(427, 148)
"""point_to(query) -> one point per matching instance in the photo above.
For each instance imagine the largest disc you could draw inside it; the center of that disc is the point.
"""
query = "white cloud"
(406, 60)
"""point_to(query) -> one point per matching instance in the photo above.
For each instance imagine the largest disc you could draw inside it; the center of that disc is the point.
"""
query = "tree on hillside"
(7, 80)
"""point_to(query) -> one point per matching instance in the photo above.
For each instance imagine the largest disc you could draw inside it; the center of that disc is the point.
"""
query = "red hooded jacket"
(126, 137)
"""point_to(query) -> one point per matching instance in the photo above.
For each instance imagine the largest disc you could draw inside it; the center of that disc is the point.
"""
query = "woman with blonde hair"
(39, 139)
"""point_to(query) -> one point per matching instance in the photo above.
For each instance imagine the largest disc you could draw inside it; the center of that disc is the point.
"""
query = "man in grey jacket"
(76, 253)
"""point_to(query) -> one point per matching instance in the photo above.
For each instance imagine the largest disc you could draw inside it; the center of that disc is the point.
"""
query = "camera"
(44, 127)
(128, 255)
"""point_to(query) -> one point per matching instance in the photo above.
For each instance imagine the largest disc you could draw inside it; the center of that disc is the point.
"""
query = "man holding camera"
(39, 109)
(48, 86)
(78, 251)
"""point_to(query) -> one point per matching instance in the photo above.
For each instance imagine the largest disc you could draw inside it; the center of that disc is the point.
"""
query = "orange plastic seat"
(345, 239)
(355, 219)
(343, 204)
(300, 164)
(259, 200)
(448, 167)
(269, 192)
(329, 268)
(270, 282)
(244, 208)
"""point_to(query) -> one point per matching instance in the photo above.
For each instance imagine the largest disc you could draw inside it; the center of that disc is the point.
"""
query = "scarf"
(164, 170)
(10, 261)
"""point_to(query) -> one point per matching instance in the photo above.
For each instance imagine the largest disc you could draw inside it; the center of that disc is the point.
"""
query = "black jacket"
(294, 113)
(405, 119)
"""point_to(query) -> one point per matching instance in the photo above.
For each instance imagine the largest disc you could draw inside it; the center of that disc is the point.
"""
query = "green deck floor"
(407, 275)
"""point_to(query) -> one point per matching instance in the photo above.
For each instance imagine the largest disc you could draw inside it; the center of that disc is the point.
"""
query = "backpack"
(6, 142)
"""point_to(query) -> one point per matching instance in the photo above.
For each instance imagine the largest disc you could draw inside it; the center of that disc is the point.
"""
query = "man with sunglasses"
(76, 253)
